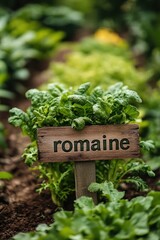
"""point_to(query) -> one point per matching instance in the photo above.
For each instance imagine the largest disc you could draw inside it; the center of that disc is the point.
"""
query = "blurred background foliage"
(132, 18)
(122, 43)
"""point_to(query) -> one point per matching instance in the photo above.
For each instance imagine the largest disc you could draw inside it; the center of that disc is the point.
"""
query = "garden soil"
(22, 208)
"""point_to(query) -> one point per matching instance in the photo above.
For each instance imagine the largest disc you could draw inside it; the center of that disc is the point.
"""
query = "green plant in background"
(104, 59)
(59, 18)
(132, 19)
(115, 219)
(90, 44)
(22, 42)
(5, 175)
(4, 94)
(61, 106)
(16, 4)
(99, 68)
(151, 126)
(139, 20)
(40, 38)
(3, 143)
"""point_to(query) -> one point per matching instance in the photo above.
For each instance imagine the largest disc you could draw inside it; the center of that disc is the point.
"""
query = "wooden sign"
(96, 142)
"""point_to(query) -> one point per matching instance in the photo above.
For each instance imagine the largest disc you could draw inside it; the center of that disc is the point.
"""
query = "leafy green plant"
(3, 143)
(99, 68)
(115, 219)
(151, 129)
(59, 106)
(36, 37)
(22, 42)
(6, 95)
(92, 44)
(59, 18)
(5, 175)
(124, 171)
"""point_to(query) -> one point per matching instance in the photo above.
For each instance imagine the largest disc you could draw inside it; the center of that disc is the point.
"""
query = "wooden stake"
(85, 174)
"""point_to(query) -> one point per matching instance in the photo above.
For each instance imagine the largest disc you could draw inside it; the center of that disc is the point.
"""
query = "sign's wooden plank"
(96, 142)
(85, 174)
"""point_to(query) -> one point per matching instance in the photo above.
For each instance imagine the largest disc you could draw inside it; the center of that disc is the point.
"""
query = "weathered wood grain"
(85, 174)
(67, 135)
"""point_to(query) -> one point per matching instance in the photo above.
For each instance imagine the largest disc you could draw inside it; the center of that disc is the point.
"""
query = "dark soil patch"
(21, 207)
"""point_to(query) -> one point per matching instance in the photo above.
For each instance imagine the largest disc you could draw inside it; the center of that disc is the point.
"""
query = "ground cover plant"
(116, 218)
(59, 106)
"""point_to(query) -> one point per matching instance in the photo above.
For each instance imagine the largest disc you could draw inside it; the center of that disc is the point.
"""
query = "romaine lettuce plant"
(59, 106)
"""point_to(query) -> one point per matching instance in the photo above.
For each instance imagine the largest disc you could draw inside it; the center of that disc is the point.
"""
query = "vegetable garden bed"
(22, 209)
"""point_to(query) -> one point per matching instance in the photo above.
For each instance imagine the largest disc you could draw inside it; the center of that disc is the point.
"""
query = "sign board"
(96, 142)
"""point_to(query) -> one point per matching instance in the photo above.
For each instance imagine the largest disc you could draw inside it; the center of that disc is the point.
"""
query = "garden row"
(97, 84)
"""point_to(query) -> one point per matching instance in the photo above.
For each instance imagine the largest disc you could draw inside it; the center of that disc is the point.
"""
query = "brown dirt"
(21, 207)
